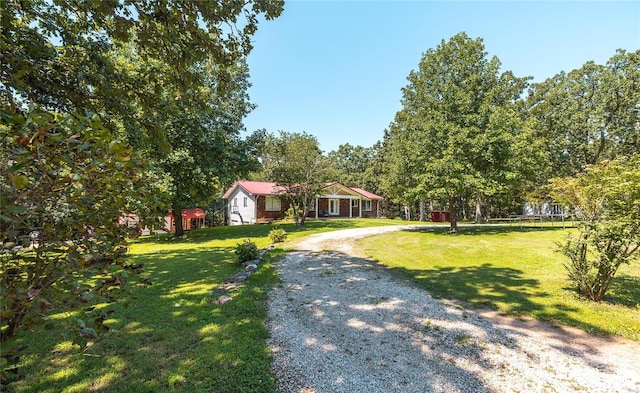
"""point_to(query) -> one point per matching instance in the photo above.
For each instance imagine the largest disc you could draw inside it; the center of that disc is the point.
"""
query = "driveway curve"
(343, 323)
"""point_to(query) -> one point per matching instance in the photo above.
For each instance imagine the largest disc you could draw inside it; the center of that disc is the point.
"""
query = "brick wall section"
(270, 215)
(345, 204)
(323, 209)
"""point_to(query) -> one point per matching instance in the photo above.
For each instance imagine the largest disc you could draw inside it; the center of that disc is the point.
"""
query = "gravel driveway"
(342, 323)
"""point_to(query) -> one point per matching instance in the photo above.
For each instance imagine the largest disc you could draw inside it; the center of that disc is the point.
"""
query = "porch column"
(350, 208)
(360, 208)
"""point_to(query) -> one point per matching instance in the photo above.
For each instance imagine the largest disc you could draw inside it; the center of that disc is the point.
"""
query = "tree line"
(479, 141)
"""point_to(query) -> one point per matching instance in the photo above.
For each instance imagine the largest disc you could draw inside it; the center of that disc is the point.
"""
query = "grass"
(516, 271)
(171, 338)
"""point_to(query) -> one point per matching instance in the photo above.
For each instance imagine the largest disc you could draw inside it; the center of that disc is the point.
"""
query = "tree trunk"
(453, 210)
(422, 217)
(177, 220)
(478, 207)
(305, 210)
(296, 208)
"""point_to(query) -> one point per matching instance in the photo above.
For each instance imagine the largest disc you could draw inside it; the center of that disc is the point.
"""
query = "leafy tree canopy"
(99, 100)
(352, 164)
(296, 163)
(459, 123)
(589, 114)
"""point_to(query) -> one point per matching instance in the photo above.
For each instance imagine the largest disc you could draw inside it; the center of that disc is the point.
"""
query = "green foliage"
(168, 77)
(296, 163)
(64, 182)
(277, 235)
(61, 54)
(207, 151)
(246, 251)
(589, 114)
(459, 128)
(351, 166)
(606, 200)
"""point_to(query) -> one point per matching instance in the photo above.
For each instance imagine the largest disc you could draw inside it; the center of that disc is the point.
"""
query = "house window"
(235, 201)
(354, 203)
(245, 201)
(366, 206)
(272, 204)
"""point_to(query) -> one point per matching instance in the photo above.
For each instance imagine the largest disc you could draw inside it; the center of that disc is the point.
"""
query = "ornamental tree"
(296, 163)
(606, 200)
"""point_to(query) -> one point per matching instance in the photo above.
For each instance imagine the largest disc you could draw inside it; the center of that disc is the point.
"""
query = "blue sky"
(335, 69)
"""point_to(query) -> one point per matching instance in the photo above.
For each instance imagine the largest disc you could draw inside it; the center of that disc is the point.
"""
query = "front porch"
(343, 202)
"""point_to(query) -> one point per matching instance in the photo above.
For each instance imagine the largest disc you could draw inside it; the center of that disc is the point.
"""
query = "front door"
(334, 207)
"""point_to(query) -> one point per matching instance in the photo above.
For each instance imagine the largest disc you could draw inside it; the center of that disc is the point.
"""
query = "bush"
(246, 251)
(605, 198)
(277, 235)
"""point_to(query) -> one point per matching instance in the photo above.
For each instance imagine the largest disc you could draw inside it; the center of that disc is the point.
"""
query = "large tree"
(207, 151)
(589, 114)
(459, 123)
(87, 91)
(296, 163)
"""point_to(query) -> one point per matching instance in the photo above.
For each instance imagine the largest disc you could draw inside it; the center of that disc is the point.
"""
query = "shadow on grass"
(624, 290)
(507, 290)
(495, 229)
(240, 232)
(483, 285)
(171, 337)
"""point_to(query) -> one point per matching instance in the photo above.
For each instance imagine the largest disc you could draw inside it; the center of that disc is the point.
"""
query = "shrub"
(246, 251)
(605, 198)
(277, 235)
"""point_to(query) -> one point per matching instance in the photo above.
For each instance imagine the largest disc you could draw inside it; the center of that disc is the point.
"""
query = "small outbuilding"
(192, 218)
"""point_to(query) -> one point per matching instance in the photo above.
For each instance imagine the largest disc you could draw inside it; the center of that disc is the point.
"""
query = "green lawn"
(513, 270)
(171, 338)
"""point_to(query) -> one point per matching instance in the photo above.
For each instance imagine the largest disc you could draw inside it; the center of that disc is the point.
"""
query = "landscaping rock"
(251, 262)
(251, 267)
(238, 277)
(226, 288)
(223, 299)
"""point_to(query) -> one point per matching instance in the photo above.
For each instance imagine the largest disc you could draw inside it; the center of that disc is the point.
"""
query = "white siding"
(240, 214)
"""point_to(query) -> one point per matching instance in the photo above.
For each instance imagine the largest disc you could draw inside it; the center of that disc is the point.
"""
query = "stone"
(223, 299)
(251, 262)
(251, 267)
(238, 277)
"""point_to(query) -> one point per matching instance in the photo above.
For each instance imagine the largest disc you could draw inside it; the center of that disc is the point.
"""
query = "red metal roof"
(271, 188)
(255, 188)
(194, 212)
(366, 194)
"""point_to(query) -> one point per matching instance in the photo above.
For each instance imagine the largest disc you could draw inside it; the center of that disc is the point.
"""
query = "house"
(250, 202)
